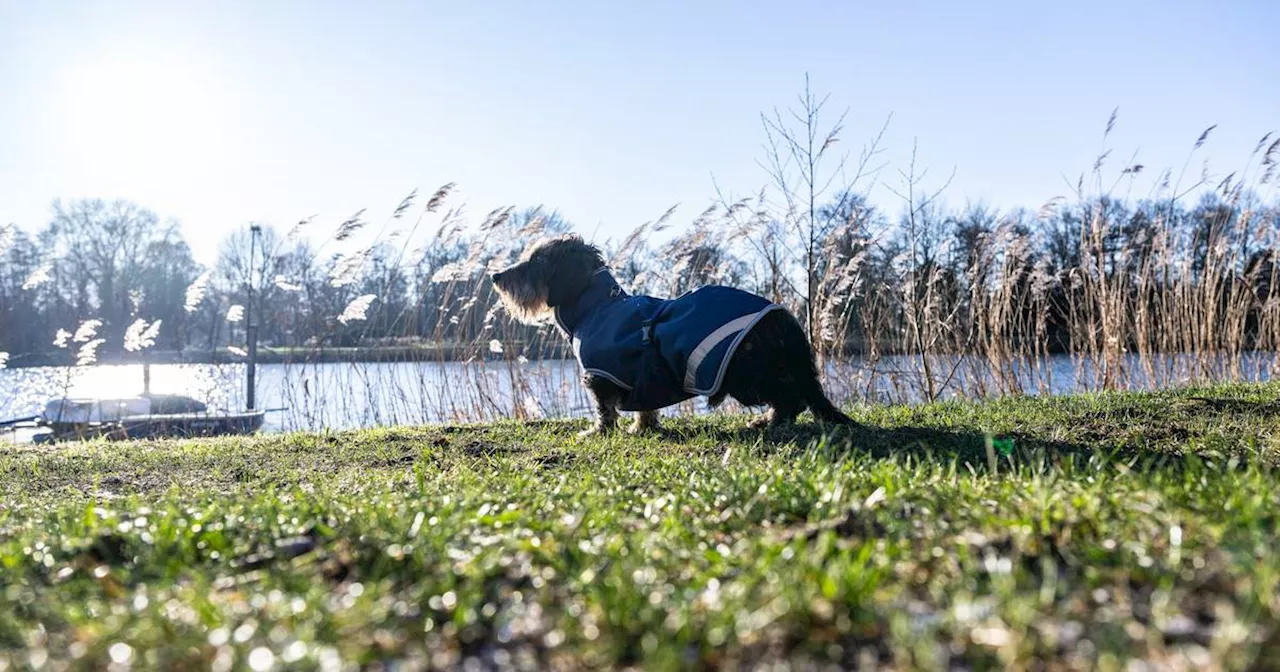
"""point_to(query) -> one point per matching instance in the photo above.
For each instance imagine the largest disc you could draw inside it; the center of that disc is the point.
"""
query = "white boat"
(143, 416)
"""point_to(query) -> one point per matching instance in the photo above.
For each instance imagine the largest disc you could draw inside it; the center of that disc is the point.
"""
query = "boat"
(149, 416)
(146, 416)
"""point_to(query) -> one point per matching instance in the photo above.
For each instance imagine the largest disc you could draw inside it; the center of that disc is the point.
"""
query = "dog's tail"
(821, 406)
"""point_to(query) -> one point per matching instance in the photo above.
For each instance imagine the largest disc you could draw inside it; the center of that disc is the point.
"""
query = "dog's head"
(551, 273)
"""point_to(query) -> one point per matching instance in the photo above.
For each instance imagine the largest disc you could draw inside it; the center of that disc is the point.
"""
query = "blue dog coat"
(660, 351)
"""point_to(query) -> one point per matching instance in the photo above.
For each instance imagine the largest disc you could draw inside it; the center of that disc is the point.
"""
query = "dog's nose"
(495, 276)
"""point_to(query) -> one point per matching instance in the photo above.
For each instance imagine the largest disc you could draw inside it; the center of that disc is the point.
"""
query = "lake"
(349, 395)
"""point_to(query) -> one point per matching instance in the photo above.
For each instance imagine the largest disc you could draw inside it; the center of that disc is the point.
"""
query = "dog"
(642, 354)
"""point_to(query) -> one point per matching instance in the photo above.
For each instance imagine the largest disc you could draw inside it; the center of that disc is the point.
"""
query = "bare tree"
(103, 248)
(799, 159)
(929, 320)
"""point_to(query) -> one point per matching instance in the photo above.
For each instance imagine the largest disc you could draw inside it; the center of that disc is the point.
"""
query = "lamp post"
(251, 329)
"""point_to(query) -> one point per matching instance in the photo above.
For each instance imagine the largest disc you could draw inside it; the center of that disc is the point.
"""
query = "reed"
(1136, 289)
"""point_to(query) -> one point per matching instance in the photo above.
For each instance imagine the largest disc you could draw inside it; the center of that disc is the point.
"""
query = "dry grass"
(1137, 291)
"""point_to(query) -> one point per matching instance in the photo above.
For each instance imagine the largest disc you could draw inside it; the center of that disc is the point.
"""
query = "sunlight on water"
(317, 396)
(25, 391)
(126, 380)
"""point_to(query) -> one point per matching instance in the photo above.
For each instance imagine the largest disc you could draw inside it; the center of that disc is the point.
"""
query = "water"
(349, 395)
(333, 395)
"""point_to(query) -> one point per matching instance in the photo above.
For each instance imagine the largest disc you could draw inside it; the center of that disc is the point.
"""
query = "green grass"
(1117, 527)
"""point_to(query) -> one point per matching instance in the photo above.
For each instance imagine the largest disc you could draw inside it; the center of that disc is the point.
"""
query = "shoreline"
(437, 353)
(334, 355)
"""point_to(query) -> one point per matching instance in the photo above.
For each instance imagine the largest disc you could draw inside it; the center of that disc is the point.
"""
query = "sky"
(221, 114)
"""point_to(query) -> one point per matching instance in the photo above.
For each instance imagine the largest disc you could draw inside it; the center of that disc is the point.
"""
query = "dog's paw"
(771, 420)
(646, 421)
(594, 430)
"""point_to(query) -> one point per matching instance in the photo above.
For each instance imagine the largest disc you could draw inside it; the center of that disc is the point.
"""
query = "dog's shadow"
(939, 445)
(879, 442)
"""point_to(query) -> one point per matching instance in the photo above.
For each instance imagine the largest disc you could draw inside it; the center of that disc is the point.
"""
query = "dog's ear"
(572, 269)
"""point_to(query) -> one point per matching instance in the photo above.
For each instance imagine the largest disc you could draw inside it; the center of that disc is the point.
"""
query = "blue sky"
(222, 113)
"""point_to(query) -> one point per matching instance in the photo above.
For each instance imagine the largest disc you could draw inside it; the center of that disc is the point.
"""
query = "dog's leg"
(784, 412)
(761, 421)
(645, 421)
(606, 396)
(781, 412)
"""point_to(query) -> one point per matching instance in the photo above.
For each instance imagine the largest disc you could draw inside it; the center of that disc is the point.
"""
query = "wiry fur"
(773, 366)
(549, 273)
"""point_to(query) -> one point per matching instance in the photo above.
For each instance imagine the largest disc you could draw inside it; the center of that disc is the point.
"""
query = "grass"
(1117, 527)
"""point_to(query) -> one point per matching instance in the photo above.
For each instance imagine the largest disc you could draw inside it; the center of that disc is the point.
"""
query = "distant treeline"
(115, 262)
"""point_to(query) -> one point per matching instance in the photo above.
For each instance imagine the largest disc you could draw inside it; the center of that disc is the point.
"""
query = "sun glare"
(135, 119)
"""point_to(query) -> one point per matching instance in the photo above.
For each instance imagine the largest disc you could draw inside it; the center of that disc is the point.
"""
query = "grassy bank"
(1115, 527)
